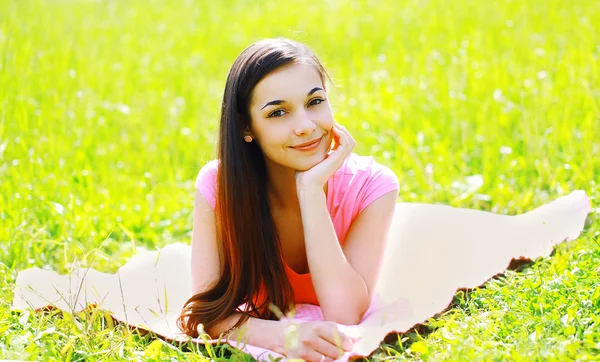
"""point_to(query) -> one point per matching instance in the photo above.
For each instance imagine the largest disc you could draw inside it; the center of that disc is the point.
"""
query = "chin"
(308, 162)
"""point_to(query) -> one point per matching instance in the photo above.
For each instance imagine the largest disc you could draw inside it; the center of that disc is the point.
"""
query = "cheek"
(325, 115)
(275, 138)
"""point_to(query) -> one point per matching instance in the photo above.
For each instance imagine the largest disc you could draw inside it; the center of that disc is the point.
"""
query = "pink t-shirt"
(353, 187)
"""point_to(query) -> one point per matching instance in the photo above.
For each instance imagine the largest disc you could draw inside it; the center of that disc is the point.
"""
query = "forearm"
(333, 277)
(255, 331)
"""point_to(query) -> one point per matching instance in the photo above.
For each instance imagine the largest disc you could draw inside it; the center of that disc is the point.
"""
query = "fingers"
(321, 347)
(322, 341)
(344, 139)
(333, 335)
(347, 136)
(314, 356)
(336, 138)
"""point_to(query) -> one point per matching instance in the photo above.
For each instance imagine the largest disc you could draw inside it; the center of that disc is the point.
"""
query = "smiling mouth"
(309, 146)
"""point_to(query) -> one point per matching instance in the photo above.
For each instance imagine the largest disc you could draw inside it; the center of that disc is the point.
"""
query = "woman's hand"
(317, 341)
(317, 176)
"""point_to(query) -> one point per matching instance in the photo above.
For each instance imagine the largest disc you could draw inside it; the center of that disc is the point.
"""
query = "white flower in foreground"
(505, 150)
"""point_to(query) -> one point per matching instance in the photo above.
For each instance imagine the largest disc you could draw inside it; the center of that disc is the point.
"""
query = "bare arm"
(344, 278)
(347, 274)
(263, 333)
(255, 331)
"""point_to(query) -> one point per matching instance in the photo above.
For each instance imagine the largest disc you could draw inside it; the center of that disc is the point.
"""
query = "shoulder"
(209, 167)
(358, 163)
(366, 169)
(206, 181)
(361, 180)
(207, 173)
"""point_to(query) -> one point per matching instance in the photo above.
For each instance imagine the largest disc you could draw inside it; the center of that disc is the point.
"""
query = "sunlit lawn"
(108, 109)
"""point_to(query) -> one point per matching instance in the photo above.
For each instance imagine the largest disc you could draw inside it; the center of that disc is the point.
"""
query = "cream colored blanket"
(433, 251)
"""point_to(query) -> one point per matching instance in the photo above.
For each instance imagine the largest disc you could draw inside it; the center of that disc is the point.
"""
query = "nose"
(304, 124)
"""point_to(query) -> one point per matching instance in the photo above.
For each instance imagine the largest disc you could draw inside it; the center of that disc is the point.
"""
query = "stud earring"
(248, 138)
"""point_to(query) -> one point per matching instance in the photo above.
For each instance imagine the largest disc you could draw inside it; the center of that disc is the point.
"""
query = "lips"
(309, 144)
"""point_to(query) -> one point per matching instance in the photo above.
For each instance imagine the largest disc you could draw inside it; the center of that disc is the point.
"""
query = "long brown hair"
(249, 247)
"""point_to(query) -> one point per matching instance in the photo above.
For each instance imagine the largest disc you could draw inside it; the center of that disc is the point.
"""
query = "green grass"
(108, 109)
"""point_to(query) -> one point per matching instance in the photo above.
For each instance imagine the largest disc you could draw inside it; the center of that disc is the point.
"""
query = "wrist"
(267, 334)
(309, 190)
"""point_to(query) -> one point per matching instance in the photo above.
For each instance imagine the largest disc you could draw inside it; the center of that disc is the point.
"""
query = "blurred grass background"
(108, 109)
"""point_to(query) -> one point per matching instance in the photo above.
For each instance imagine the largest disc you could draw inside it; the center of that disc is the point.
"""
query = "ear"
(247, 130)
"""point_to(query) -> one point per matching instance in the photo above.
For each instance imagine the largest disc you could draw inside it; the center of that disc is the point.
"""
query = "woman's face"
(290, 107)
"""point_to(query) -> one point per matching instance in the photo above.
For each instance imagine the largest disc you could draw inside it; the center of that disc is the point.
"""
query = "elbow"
(345, 317)
(347, 320)
(350, 314)
(346, 305)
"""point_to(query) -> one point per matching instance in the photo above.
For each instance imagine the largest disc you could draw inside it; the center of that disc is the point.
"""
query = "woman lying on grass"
(278, 147)
(287, 214)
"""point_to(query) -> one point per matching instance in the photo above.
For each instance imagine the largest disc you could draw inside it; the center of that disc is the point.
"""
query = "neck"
(282, 187)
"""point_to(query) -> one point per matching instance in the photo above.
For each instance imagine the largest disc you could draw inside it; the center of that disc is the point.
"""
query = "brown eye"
(275, 114)
(313, 103)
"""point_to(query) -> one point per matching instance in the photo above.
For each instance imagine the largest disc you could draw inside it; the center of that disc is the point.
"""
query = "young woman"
(287, 213)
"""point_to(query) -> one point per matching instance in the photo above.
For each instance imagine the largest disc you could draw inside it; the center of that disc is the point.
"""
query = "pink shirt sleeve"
(371, 181)
(359, 182)
(206, 182)
(380, 180)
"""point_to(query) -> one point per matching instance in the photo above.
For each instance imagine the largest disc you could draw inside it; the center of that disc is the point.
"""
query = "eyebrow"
(279, 101)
